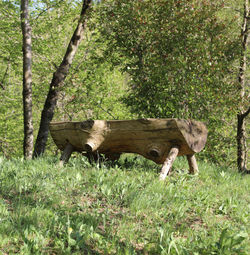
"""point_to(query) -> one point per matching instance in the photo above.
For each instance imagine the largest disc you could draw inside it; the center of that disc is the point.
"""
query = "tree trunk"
(58, 81)
(27, 81)
(241, 142)
(241, 132)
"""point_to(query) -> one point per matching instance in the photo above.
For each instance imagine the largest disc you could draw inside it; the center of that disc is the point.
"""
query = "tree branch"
(244, 115)
(46, 9)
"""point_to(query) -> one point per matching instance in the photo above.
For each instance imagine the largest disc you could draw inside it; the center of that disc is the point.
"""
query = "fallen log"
(160, 140)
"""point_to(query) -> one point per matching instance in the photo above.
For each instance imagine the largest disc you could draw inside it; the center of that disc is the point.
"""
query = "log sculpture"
(160, 140)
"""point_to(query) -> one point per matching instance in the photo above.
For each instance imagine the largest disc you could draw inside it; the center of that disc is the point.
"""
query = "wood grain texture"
(167, 165)
(193, 166)
(151, 138)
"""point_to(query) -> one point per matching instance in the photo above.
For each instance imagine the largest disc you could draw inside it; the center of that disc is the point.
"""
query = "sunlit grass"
(121, 208)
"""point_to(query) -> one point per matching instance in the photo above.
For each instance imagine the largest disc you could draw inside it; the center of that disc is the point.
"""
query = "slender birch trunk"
(241, 116)
(27, 81)
(58, 81)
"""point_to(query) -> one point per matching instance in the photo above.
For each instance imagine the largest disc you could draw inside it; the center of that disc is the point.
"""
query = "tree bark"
(241, 142)
(241, 132)
(58, 81)
(27, 81)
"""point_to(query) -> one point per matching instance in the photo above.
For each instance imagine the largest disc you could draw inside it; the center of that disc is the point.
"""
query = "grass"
(121, 209)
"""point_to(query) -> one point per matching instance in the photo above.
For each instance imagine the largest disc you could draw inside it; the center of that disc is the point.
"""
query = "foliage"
(180, 56)
(94, 86)
(121, 209)
(178, 59)
(92, 89)
(10, 78)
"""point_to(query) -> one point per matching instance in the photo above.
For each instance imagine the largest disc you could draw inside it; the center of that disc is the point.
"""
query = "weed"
(121, 208)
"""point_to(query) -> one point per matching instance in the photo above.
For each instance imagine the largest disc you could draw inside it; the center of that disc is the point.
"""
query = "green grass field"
(121, 209)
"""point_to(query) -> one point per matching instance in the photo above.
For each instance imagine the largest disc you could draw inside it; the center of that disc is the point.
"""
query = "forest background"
(137, 59)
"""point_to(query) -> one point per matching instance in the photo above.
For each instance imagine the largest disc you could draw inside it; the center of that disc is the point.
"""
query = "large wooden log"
(151, 138)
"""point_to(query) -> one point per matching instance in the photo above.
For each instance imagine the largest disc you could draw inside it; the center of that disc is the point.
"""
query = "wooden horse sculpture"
(160, 140)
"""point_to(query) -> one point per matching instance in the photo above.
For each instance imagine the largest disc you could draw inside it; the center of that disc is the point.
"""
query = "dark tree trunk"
(241, 142)
(27, 81)
(241, 116)
(58, 81)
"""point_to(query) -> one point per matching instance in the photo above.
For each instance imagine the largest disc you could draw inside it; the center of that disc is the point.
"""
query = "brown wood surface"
(193, 167)
(151, 138)
(66, 154)
(166, 168)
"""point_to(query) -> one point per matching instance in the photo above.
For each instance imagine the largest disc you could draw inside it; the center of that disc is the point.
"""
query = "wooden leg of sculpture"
(92, 157)
(169, 162)
(193, 167)
(66, 154)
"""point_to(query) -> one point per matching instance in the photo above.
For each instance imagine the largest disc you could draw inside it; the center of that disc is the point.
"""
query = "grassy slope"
(121, 210)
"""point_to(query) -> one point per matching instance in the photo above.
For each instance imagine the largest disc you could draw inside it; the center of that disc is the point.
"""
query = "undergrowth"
(121, 208)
